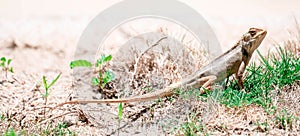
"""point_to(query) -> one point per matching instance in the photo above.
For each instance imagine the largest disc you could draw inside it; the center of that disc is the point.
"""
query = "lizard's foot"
(206, 83)
(240, 81)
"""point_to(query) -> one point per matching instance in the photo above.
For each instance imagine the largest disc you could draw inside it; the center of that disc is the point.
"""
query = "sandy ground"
(41, 38)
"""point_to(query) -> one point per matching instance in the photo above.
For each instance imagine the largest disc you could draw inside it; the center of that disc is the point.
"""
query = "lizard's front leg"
(239, 75)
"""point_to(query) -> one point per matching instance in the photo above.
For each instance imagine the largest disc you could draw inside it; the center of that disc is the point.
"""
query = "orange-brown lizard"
(234, 61)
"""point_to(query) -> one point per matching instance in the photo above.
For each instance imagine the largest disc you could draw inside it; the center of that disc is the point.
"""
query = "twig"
(41, 107)
(49, 119)
(141, 55)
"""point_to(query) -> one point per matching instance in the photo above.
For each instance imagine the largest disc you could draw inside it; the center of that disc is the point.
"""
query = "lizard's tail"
(168, 91)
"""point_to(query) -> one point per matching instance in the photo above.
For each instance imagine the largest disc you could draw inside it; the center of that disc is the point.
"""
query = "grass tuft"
(278, 70)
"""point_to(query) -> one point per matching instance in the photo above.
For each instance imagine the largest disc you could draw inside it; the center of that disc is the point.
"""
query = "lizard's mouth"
(260, 35)
(263, 34)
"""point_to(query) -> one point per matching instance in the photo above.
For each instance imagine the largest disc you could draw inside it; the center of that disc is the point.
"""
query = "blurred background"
(60, 23)
(227, 18)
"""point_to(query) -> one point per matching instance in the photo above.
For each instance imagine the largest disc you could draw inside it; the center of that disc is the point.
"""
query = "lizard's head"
(253, 37)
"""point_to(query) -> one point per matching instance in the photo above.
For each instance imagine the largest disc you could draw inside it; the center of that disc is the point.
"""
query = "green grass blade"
(266, 62)
(53, 81)
(8, 62)
(95, 81)
(107, 58)
(103, 59)
(120, 111)
(45, 83)
(80, 63)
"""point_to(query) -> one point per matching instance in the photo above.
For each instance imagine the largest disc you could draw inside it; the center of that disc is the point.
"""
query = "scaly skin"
(234, 61)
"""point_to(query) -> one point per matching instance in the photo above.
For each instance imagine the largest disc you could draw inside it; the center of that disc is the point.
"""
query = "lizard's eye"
(252, 33)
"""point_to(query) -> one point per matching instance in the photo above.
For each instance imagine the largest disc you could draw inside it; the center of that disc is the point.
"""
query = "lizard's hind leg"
(206, 83)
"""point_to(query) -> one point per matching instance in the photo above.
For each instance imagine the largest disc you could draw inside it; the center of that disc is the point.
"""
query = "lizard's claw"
(206, 83)
(243, 90)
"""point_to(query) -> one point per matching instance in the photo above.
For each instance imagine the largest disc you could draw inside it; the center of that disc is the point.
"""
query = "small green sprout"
(62, 129)
(47, 87)
(5, 64)
(104, 76)
(10, 132)
(2, 117)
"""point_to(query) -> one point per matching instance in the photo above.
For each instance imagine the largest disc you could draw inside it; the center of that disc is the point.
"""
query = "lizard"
(233, 61)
